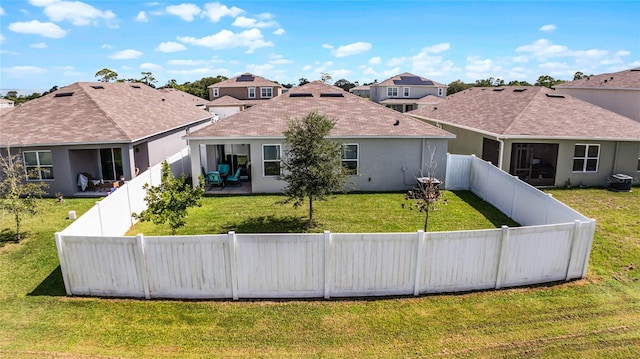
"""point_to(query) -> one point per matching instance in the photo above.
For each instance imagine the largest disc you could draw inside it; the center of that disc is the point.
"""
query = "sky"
(46, 43)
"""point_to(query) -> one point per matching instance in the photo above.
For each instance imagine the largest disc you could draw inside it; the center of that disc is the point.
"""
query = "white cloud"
(170, 46)
(375, 60)
(225, 39)
(280, 61)
(23, 71)
(437, 48)
(543, 49)
(394, 71)
(396, 61)
(142, 17)
(193, 72)
(2, 11)
(622, 53)
(184, 11)
(548, 28)
(261, 21)
(192, 62)
(35, 27)
(126, 55)
(340, 74)
(352, 49)
(2, 38)
(39, 45)
(150, 66)
(107, 46)
(215, 11)
(478, 68)
(327, 46)
(279, 31)
(306, 68)
(78, 13)
(520, 59)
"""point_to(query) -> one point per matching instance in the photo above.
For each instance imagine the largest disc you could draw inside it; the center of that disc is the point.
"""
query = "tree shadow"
(52, 286)
(269, 224)
(9, 236)
(491, 213)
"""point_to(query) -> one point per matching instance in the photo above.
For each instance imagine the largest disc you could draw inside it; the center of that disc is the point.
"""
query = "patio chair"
(215, 179)
(235, 179)
(223, 168)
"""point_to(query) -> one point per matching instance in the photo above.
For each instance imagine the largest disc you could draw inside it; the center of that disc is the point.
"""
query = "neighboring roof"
(187, 97)
(409, 79)
(426, 100)
(245, 80)
(99, 112)
(430, 100)
(627, 79)
(360, 88)
(226, 100)
(4, 100)
(530, 112)
(354, 116)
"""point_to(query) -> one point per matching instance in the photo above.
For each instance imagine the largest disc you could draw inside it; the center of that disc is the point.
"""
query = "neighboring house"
(247, 87)
(100, 129)
(618, 91)
(5, 103)
(386, 150)
(544, 137)
(406, 92)
(225, 106)
(362, 91)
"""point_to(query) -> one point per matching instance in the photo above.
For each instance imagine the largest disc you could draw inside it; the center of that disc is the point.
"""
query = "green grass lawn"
(592, 318)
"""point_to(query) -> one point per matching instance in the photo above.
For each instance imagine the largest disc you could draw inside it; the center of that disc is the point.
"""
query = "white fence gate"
(554, 245)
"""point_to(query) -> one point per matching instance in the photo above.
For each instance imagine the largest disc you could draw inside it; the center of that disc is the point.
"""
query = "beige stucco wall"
(623, 101)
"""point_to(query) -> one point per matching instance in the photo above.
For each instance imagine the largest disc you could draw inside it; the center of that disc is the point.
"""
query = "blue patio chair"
(235, 179)
(215, 179)
(223, 168)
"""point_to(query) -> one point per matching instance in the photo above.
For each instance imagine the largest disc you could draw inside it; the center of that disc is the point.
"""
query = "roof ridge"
(538, 89)
(113, 122)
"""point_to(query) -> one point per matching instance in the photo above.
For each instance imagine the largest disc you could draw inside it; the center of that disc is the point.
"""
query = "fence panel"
(458, 172)
(108, 266)
(531, 206)
(188, 266)
(459, 261)
(373, 264)
(537, 254)
(277, 265)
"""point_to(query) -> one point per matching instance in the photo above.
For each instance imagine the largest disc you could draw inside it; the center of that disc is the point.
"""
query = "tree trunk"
(426, 217)
(310, 211)
(17, 218)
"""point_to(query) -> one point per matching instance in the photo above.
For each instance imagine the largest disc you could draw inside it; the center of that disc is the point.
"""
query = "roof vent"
(396, 123)
(98, 87)
(301, 94)
(519, 90)
(498, 89)
(331, 95)
(135, 86)
(63, 94)
(635, 69)
(554, 95)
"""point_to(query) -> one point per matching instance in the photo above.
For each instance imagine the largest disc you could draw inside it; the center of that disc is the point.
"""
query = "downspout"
(615, 158)
(501, 154)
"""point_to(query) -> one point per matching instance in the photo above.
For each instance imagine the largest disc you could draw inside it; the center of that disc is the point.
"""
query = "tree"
(578, 76)
(313, 165)
(457, 86)
(106, 75)
(303, 81)
(169, 201)
(518, 83)
(547, 81)
(427, 192)
(344, 84)
(17, 196)
(325, 77)
(148, 79)
(490, 82)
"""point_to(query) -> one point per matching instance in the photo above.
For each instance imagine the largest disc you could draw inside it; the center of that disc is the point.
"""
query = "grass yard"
(593, 318)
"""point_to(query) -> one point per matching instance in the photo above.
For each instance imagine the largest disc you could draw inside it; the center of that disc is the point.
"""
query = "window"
(216, 92)
(39, 165)
(392, 92)
(350, 158)
(440, 92)
(111, 163)
(266, 92)
(405, 91)
(271, 160)
(252, 92)
(585, 158)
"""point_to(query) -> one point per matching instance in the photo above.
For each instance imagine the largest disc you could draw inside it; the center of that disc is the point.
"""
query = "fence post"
(328, 268)
(100, 218)
(502, 257)
(546, 214)
(572, 248)
(513, 195)
(129, 204)
(592, 229)
(232, 264)
(418, 263)
(143, 266)
(63, 263)
(486, 183)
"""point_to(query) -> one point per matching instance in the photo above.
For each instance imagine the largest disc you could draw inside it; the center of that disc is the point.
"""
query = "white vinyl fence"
(554, 245)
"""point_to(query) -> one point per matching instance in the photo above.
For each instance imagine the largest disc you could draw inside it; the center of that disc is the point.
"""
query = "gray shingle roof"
(392, 81)
(226, 101)
(627, 79)
(536, 112)
(355, 117)
(257, 81)
(98, 112)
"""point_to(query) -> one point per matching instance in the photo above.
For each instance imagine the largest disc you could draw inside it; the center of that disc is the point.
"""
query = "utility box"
(620, 182)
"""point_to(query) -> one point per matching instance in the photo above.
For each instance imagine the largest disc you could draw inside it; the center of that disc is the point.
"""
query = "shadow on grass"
(491, 213)
(269, 224)
(9, 236)
(52, 286)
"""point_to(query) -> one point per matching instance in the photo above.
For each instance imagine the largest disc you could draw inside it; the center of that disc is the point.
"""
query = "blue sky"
(54, 42)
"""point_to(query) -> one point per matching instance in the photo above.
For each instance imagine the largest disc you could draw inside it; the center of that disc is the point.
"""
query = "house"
(386, 150)
(247, 87)
(544, 137)
(225, 106)
(6, 103)
(406, 92)
(101, 130)
(362, 91)
(618, 91)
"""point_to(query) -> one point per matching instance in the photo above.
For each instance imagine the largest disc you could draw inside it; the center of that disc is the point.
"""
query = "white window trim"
(279, 160)
(39, 179)
(586, 157)
(391, 90)
(440, 91)
(264, 89)
(216, 92)
(406, 91)
(249, 90)
(357, 160)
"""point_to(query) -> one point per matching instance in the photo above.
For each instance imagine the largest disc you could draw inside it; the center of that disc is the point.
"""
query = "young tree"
(313, 165)
(106, 75)
(427, 193)
(17, 196)
(148, 79)
(169, 201)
